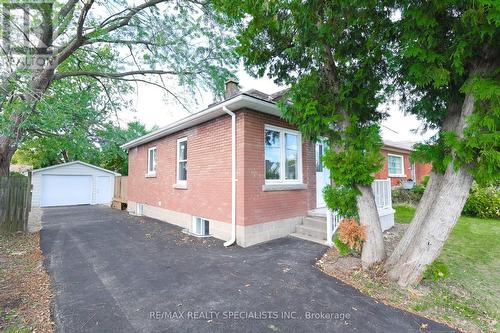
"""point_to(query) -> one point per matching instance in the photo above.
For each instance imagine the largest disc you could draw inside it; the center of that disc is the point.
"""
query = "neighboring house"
(183, 173)
(397, 165)
(73, 183)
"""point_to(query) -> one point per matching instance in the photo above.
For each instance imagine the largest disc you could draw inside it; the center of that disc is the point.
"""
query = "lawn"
(472, 290)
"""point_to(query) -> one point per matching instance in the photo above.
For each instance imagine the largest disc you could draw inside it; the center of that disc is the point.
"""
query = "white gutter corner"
(232, 240)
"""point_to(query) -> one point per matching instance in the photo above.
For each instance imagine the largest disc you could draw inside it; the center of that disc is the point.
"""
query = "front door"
(322, 175)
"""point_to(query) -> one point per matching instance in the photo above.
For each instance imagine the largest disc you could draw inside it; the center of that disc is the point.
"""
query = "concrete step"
(314, 222)
(308, 238)
(317, 213)
(313, 232)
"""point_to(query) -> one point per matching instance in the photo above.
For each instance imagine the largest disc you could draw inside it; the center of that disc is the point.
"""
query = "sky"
(154, 109)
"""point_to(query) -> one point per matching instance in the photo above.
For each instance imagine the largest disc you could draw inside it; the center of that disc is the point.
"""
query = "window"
(282, 155)
(201, 226)
(319, 157)
(182, 161)
(152, 161)
(395, 165)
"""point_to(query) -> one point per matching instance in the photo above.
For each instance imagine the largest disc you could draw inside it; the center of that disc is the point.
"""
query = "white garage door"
(62, 190)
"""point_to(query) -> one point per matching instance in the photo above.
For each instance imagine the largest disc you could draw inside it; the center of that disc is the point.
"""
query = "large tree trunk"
(373, 248)
(437, 213)
(432, 190)
(6, 153)
(440, 219)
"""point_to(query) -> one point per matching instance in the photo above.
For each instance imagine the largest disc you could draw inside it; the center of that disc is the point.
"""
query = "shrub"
(483, 202)
(436, 271)
(352, 234)
(425, 180)
(341, 247)
(409, 197)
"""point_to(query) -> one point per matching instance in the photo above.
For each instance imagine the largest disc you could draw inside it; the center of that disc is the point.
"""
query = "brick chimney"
(232, 88)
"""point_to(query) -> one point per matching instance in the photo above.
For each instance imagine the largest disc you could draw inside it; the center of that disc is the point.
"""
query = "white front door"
(322, 175)
(103, 190)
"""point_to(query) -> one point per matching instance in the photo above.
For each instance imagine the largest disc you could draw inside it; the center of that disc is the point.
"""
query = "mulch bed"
(25, 292)
(344, 267)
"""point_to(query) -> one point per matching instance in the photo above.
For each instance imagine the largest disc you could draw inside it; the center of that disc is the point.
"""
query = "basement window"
(201, 226)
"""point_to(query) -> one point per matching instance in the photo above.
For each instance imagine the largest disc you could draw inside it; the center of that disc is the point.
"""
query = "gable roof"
(405, 145)
(252, 99)
(76, 162)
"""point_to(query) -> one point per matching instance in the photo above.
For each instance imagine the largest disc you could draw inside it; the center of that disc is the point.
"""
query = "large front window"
(282, 155)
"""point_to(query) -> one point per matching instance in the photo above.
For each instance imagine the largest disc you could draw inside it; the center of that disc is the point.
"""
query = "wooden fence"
(120, 193)
(15, 203)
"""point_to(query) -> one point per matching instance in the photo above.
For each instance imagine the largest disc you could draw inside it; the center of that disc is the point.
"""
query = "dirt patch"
(25, 292)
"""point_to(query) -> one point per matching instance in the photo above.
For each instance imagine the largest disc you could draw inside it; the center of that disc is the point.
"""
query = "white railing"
(382, 192)
(332, 223)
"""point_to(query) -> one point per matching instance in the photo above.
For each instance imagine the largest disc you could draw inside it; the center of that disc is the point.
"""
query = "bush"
(483, 202)
(408, 197)
(352, 234)
(341, 247)
(436, 271)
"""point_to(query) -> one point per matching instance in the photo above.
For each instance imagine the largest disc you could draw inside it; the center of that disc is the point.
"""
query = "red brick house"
(397, 165)
(235, 171)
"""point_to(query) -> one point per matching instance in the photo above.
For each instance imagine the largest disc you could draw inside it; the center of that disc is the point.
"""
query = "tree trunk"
(440, 219)
(437, 213)
(373, 248)
(431, 191)
(6, 153)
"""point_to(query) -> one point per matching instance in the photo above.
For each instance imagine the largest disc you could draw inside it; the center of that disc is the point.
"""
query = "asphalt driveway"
(113, 272)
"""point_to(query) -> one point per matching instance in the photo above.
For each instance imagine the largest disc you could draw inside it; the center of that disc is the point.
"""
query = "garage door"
(63, 190)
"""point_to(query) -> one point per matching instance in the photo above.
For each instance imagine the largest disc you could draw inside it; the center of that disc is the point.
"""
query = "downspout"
(232, 240)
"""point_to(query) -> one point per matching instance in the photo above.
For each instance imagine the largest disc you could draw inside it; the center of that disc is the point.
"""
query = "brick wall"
(263, 206)
(421, 169)
(208, 192)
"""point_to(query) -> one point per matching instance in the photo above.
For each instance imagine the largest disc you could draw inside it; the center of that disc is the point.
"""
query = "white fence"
(382, 192)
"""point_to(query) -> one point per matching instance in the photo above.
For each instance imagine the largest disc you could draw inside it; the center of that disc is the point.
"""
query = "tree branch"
(62, 75)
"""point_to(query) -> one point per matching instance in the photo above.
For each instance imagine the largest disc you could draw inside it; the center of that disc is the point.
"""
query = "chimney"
(232, 88)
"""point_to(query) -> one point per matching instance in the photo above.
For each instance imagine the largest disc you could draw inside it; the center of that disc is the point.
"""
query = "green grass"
(472, 290)
(404, 213)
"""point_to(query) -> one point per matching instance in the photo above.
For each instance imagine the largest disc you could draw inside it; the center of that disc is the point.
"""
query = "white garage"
(74, 183)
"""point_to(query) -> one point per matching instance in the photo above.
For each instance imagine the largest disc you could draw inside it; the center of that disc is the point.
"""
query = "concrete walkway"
(118, 273)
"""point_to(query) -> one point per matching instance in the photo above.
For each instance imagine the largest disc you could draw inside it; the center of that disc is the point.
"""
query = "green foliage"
(342, 199)
(91, 81)
(333, 55)
(409, 197)
(483, 202)
(436, 271)
(98, 144)
(418, 189)
(16, 174)
(425, 181)
(449, 50)
(343, 248)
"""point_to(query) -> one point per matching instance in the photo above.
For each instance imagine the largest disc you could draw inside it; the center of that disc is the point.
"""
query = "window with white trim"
(201, 226)
(395, 165)
(283, 157)
(182, 161)
(152, 161)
